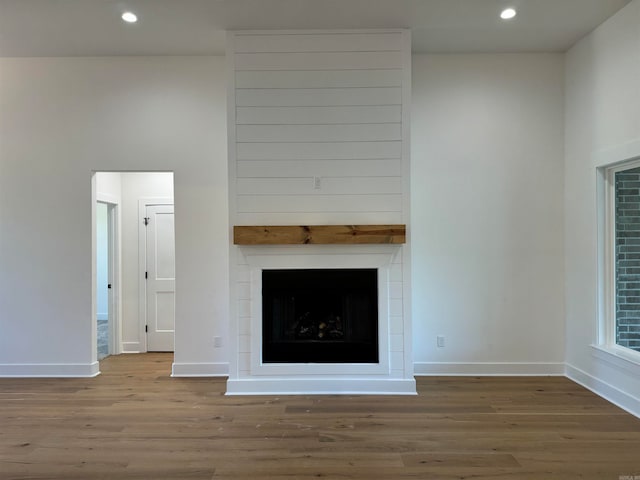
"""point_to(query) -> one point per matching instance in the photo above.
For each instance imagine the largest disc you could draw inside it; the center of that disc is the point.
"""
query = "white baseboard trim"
(610, 393)
(130, 347)
(299, 386)
(488, 369)
(49, 370)
(200, 369)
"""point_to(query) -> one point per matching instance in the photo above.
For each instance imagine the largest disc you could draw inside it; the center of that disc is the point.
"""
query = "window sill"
(619, 357)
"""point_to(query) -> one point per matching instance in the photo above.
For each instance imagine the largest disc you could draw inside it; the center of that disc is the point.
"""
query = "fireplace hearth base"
(321, 386)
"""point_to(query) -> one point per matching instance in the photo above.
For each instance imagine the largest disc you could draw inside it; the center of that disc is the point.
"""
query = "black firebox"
(320, 316)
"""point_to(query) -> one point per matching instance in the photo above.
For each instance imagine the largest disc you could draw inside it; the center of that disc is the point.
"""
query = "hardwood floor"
(135, 422)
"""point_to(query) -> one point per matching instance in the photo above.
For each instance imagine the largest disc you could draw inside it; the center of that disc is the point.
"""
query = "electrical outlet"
(440, 341)
(317, 183)
(217, 342)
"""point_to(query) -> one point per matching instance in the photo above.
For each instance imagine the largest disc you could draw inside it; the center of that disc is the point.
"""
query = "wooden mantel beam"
(318, 234)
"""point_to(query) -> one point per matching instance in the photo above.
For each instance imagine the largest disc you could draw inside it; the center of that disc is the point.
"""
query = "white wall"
(487, 270)
(602, 124)
(486, 173)
(61, 119)
(486, 223)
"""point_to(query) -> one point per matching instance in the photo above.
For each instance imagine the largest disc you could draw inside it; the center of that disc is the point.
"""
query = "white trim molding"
(131, 347)
(495, 369)
(220, 369)
(623, 359)
(616, 155)
(50, 370)
(605, 390)
(321, 386)
(107, 198)
(606, 254)
(378, 257)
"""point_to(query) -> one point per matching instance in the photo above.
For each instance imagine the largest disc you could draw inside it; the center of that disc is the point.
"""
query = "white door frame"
(113, 217)
(142, 264)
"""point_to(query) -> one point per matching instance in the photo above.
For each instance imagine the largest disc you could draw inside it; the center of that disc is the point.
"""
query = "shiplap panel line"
(318, 69)
(368, 216)
(306, 177)
(350, 87)
(335, 142)
(319, 203)
(306, 142)
(325, 161)
(320, 97)
(319, 168)
(284, 33)
(327, 141)
(318, 79)
(319, 133)
(251, 185)
(313, 42)
(325, 124)
(331, 105)
(318, 61)
(318, 115)
(326, 185)
(318, 150)
(318, 194)
(318, 218)
(301, 50)
(319, 211)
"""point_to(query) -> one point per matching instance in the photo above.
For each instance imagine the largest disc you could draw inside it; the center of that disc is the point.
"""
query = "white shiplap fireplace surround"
(319, 135)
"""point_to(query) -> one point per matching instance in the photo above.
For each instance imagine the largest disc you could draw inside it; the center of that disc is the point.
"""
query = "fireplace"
(320, 316)
(285, 293)
(308, 193)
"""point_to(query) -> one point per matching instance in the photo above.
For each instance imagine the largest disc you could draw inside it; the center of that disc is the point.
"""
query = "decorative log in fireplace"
(318, 234)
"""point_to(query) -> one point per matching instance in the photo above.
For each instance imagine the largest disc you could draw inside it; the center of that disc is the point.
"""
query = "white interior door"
(160, 278)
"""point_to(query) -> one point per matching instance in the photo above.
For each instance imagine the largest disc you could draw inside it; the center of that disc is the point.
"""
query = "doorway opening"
(134, 262)
(106, 302)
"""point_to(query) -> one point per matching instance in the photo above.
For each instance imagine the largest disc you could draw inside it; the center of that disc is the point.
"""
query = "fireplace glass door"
(320, 316)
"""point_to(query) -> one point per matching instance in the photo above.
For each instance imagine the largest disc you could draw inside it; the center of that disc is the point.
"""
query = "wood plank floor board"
(460, 460)
(136, 422)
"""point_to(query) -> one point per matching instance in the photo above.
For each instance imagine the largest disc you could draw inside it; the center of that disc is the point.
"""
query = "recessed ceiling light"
(129, 17)
(507, 13)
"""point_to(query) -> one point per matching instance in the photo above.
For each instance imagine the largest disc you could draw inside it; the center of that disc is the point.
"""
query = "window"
(627, 257)
(621, 322)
